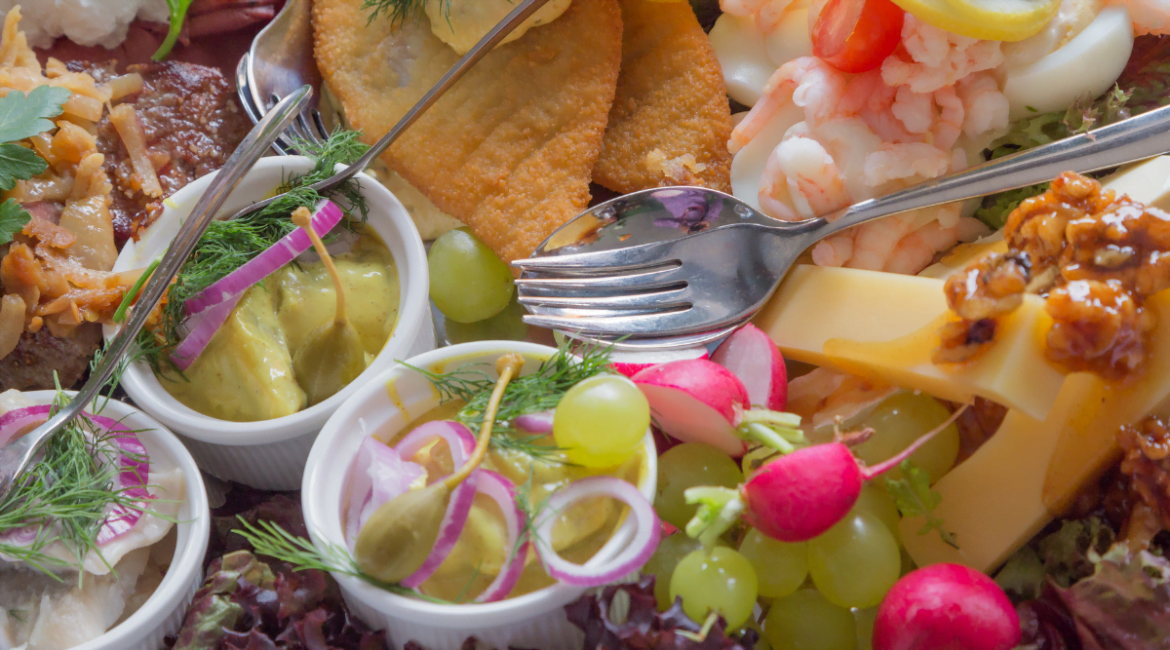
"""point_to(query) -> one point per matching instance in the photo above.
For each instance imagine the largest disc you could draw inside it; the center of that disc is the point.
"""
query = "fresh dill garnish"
(64, 496)
(275, 542)
(398, 11)
(227, 245)
(533, 393)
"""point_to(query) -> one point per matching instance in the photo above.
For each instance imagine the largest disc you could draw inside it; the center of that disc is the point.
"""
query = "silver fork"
(279, 62)
(510, 22)
(16, 456)
(681, 262)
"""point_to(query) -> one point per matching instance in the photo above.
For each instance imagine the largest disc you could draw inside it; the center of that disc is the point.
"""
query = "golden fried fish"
(670, 120)
(510, 149)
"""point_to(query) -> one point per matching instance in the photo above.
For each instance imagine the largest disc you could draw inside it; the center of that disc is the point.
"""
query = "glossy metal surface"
(670, 262)
(279, 62)
(17, 455)
(510, 22)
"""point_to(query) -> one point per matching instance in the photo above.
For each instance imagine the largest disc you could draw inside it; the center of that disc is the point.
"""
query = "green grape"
(686, 466)
(855, 562)
(468, 282)
(902, 419)
(806, 621)
(722, 581)
(601, 421)
(865, 619)
(670, 551)
(876, 501)
(780, 567)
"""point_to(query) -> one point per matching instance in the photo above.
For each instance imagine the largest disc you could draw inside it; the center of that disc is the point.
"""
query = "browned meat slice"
(31, 365)
(192, 122)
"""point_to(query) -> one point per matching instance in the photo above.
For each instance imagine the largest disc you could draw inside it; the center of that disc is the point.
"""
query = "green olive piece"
(396, 540)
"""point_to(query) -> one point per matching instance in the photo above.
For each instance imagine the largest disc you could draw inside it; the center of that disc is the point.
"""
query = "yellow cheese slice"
(1030, 470)
(1147, 181)
(885, 326)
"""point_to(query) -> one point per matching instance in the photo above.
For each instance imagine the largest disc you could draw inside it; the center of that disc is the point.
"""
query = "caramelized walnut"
(1098, 327)
(1146, 445)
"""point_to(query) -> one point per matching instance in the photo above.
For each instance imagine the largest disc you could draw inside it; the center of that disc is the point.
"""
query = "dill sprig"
(533, 393)
(398, 11)
(227, 245)
(64, 497)
(270, 539)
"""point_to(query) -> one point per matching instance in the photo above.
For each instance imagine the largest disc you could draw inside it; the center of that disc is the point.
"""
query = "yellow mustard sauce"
(581, 530)
(245, 373)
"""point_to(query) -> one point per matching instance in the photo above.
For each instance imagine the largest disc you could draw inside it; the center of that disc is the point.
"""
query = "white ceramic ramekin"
(385, 405)
(271, 454)
(162, 614)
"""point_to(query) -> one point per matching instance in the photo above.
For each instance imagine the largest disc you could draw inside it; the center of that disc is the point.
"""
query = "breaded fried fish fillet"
(510, 149)
(670, 120)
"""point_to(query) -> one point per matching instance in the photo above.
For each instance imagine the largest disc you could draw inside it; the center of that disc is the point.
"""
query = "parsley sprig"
(178, 14)
(23, 116)
(915, 498)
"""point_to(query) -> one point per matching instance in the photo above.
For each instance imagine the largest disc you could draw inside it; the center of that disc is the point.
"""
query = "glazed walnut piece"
(1147, 463)
(1096, 257)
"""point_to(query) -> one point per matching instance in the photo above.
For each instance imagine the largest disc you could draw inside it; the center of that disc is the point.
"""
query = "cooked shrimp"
(905, 160)
(1150, 16)
(807, 82)
(801, 170)
(741, 7)
(937, 57)
(952, 111)
(875, 241)
(916, 250)
(833, 251)
(986, 108)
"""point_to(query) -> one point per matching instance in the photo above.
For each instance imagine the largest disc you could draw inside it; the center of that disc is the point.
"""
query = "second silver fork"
(656, 265)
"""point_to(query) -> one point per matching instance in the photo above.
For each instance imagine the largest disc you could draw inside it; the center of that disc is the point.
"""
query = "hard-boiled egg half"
(749, 56)
(1084, 64)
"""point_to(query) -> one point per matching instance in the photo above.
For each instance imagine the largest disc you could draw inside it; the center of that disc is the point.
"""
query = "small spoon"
(331, 355)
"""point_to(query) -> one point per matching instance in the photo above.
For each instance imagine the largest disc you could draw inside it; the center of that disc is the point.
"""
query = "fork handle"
(1126, 141)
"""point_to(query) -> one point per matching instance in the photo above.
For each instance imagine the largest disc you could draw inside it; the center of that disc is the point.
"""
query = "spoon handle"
(16, 456)
(1126, 141)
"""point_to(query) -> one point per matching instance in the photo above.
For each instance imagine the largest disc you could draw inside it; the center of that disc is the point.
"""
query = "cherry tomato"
(856, 35)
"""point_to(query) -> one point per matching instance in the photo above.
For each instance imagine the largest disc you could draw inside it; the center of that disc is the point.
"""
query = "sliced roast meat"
(32, 364)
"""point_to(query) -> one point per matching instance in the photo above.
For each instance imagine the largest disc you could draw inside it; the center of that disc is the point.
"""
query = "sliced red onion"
(378, 475)
(458, 437)
(462, 444)
(325, 216)
(15, 421)
(541, 422)
(632, 557)
(503, 493)
(201, 328)
(449, 530)
(133, 474)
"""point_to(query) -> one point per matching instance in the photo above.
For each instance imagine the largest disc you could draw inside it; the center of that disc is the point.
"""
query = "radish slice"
(462, 444)
(378, 474)
(452, 525)
(630, 558)
(133, 474)
(202, 328)
(751, 356)
(541, 422)
(631, 363)
(696, 401)
(503, 493)
(325, 216)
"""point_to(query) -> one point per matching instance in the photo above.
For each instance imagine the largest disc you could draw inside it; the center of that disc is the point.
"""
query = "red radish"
(696, 400)
(751, 355)
(946, 606)
(631, 363)
(800, 495)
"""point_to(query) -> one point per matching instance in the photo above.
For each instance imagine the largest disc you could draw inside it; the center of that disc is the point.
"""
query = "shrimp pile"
(926, 111)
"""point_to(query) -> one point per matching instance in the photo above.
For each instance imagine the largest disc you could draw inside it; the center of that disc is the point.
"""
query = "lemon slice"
(993, 20)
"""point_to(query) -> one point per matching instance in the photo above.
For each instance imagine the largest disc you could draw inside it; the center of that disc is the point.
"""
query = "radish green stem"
(719, 509)
(778, 418)
(508, 366)
(895, 460)
(756, 432)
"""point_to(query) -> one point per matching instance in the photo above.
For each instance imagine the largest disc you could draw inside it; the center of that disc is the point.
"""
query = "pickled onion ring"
(503, 493)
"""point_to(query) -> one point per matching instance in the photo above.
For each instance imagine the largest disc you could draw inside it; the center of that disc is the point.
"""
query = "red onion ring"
(632, 557)
(462, 444)
(503, 493)
(133, 474)
(378, 474)
(12, 422)
(541, 422)
(201, 328)
(326, 215)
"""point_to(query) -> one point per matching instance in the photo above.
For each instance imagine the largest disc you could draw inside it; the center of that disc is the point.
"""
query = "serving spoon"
(16, 456)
